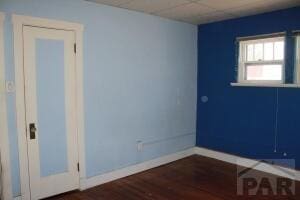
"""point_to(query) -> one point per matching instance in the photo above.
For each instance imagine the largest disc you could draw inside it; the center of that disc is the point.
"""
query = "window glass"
(263, 60)
(250, 50)
(258, 52)
(264, 72)
(279, 50)
(268, 51)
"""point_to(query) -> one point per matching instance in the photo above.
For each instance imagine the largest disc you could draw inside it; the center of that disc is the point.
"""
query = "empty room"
(150, 99)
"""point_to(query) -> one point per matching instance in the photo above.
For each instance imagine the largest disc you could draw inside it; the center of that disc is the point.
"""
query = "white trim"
(18, 198)
(134, 169)
(4, 140)
(18, 22)
(121, 173)
(297, 60)
(263, 36)
(20, 110)
(265, 85)
(80, 102)
(245, 162)
(47, 23)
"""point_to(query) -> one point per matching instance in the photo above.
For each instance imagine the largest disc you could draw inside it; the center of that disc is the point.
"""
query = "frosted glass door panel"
(51, 106)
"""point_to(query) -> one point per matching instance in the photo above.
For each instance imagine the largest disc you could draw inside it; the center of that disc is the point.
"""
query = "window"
(261, 60)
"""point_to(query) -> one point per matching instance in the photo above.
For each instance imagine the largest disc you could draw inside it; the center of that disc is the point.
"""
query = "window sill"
(265, 85)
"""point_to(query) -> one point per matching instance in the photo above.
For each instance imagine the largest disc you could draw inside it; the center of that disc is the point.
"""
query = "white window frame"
(242, 60)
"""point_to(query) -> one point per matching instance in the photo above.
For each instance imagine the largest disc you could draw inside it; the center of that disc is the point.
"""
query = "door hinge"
(78, 169)
(75, 48)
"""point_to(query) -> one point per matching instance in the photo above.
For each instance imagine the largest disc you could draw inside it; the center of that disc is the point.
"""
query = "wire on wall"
(276, 121)
(1, 183)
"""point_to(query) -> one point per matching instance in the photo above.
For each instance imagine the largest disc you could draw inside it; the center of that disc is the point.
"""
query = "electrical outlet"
(140, 145)
(10, 86)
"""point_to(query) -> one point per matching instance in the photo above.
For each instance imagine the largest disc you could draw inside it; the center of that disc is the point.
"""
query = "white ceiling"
(201, 11)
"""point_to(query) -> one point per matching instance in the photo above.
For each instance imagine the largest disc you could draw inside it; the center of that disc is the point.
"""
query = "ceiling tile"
(271, 5)
(263, 7)
(186, 11)
(151, 6)
(111, 2)
(201, 11)
(211, 17)
(227, 4)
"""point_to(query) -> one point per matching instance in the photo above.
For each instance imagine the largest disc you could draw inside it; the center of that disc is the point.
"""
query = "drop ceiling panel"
(227, 4)
(262, 7)
(201, 11)
(186, 11)
(111, 2)
(150, 6)
(211, 17)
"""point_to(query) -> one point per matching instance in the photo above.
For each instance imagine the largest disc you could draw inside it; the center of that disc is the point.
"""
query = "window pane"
(268, 51)
(258, 52)
(279, 50)
(250, 50)
(264, 72)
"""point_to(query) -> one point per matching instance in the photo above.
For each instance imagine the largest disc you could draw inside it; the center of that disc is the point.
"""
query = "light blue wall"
(139, 82)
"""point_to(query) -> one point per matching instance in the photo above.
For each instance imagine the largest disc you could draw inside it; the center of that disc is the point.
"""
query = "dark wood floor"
(191, 178)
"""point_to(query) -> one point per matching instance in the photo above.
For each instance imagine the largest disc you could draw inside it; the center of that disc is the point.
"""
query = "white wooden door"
(50, 102)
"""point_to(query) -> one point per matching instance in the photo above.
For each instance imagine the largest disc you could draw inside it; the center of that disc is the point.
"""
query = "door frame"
(18, 22)
(4, 139)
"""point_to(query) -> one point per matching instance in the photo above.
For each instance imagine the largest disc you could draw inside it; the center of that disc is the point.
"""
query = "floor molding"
(121, 173)
(134, 169)
(245, 162)
(18, 198)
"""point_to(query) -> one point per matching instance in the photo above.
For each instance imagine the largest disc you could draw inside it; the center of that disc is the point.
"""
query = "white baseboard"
(114, 175)
(245, 162)
(18, 198)
(236, 160)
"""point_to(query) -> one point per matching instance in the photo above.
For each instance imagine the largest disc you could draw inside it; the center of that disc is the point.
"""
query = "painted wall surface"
(257, 123)
(140, 75)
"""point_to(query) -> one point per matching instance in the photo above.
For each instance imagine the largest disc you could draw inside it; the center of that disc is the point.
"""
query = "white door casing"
(28, 169)
(45, 185)
(5, 178)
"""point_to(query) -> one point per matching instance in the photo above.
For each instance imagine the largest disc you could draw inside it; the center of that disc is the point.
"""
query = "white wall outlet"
(140, 145)
(10, 86)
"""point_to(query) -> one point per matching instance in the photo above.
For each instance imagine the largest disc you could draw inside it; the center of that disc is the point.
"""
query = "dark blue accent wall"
(246, 121)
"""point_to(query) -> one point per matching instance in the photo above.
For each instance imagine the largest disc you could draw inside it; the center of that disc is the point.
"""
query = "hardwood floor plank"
(192, 178)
